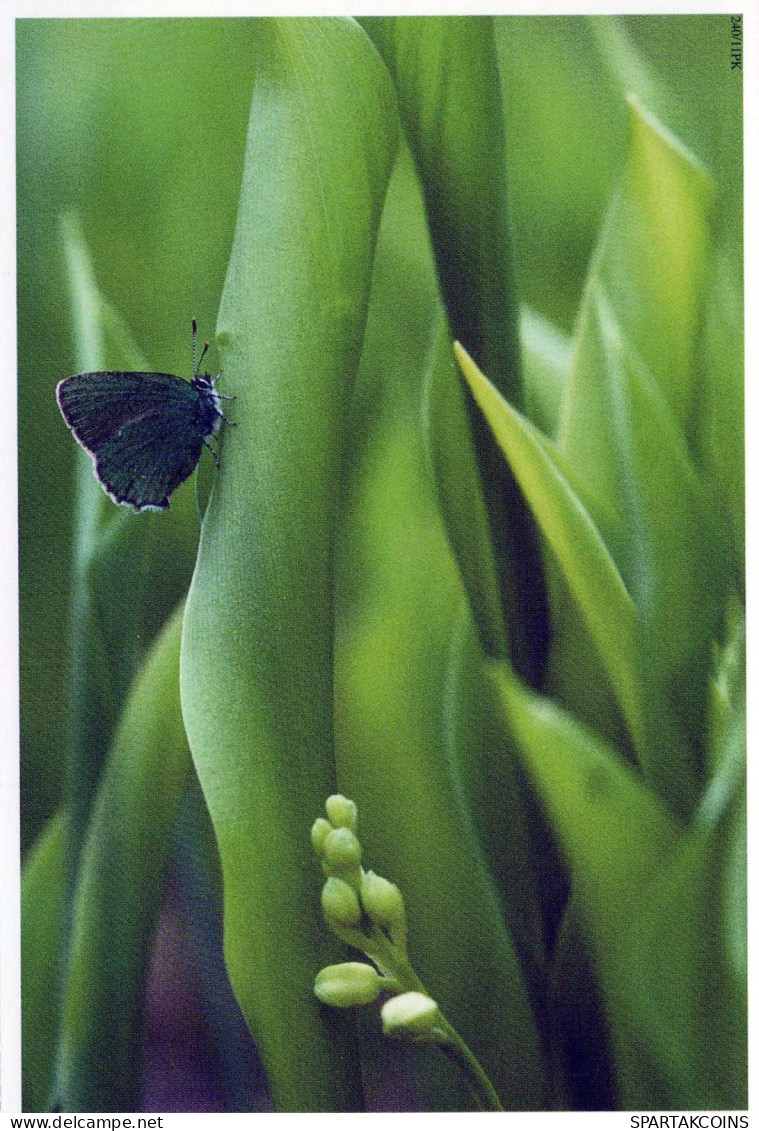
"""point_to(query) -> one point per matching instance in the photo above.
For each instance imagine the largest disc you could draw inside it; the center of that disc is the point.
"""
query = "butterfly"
(144, 431)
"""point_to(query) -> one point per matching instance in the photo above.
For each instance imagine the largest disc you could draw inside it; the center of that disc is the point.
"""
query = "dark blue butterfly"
(144, 431)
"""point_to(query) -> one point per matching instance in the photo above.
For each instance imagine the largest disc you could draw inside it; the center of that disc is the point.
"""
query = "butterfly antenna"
(205, 351)
(194, 345)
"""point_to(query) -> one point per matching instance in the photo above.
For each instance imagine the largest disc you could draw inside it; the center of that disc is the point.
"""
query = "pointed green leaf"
(653, 256)
(621, 431)
(454, 468)
(586, 563)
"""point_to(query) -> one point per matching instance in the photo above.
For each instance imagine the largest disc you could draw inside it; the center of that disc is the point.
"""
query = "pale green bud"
(411, 1017)
(340, 904)
(342, 850)
(349, 983)
(342, 812)
(383, 903)
(320, 830)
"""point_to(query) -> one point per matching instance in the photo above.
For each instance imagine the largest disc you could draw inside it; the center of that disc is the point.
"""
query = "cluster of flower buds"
(367, 912)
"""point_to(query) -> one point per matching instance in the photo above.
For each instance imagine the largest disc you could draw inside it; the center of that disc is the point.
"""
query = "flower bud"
(342, 812)
(411, 1017)
(320, 830)
(340, 904)
(342, 850)
(383, 903)
(349, 983)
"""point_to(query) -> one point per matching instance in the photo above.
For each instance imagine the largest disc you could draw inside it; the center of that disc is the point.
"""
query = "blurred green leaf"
(682, 977)
(582, 553)
(257, 681)
(615, 836)
(632, 70)
(120, 559)
(628, 408)
(701, 104)
(611, 826)
(720, 408)
(652, 260)
(119, 890)
(727, 682)
(446, 73)
(495, 792)
(564, 123)
(672, 555)
(546, 355)
(137, 127)
(664, 906)
(42, 899)
(399, 599)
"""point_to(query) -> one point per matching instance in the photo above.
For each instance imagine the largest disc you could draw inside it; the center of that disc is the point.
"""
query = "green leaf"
(727, 682)
(720, 409)
(611, 826)
(42, 901)
(494, 791)
(663, 905)
(615, 836)
(682, 980)
(546, 353)
(574, 538)
(119, 890)
(459, 488)
(564, 125)
(628, 406)
(398, 601)
(620, 429)
(653, 256)
(257, 679)
(631, 70)
(446, 73)
(453, 461)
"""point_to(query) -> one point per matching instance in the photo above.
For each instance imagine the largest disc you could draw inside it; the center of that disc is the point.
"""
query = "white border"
(144, 8)
(10, 1008)
(10, 958)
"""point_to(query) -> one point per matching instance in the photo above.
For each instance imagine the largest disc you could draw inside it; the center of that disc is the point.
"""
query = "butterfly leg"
(213, 452)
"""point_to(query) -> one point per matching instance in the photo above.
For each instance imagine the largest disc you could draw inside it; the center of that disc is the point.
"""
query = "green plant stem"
(474, 1074)
(393, 963)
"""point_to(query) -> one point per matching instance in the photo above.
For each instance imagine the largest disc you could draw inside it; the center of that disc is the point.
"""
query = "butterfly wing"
(96, 405)
(141, 430)
(146, 459)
